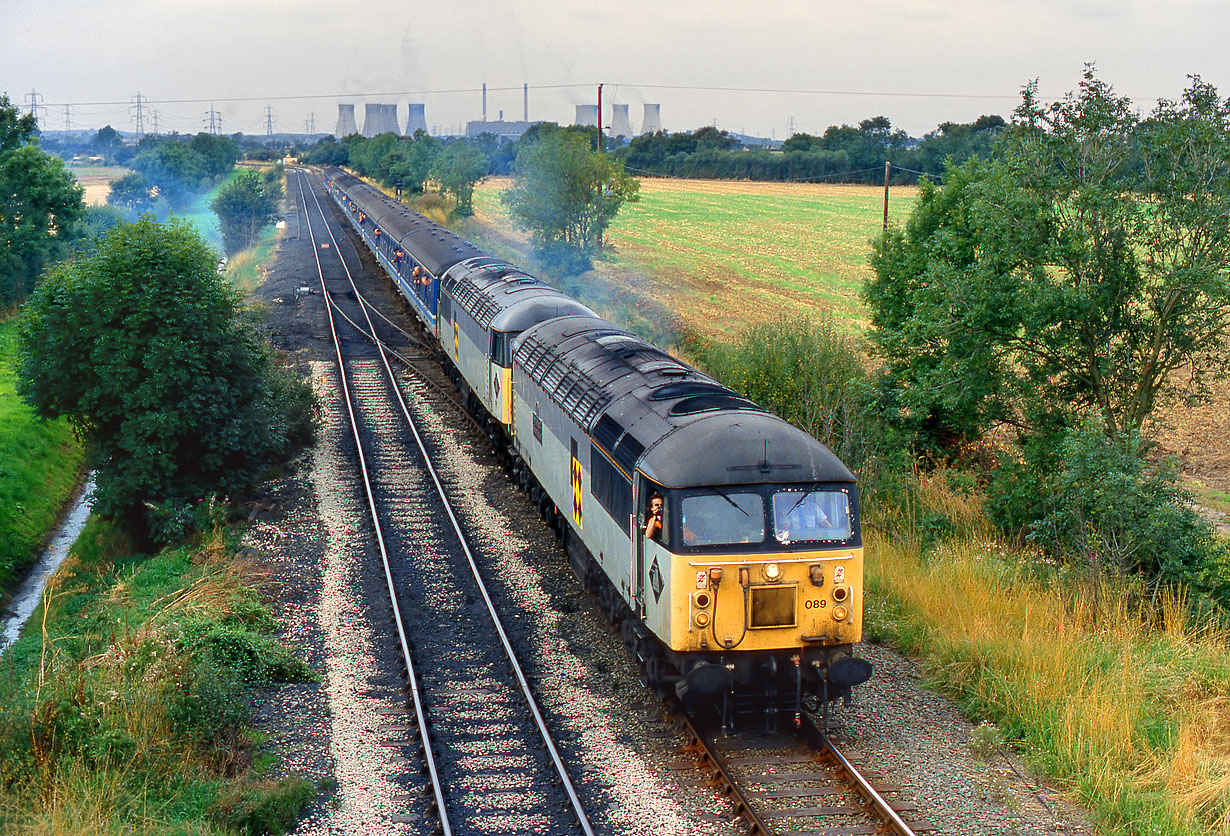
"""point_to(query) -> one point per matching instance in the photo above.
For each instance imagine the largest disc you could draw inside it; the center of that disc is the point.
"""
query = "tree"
(244, 206)
(132, 192)
(458, 168)
(566, 194)
(175, 167)
(413, 170)
(1071, 276)
(40, 204)
(218, 153)
(107, 141)
(147, 352)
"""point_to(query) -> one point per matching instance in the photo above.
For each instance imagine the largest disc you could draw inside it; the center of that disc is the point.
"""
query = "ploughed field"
(722, 255)
(96, 180)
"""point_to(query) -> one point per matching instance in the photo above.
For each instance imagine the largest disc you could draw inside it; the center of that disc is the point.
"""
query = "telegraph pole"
(601, 186)
(888, 167)
(599, 118)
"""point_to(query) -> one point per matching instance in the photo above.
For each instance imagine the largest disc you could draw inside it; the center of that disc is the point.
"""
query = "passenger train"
(723, 541)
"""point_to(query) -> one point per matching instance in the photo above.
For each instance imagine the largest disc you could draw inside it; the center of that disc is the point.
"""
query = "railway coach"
(723, 541)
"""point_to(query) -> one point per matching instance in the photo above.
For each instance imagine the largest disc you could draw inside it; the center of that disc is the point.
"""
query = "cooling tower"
(653, 119)
(620, 124)
(345, 121)
(587, 116)
(416, 119)
(379, 119)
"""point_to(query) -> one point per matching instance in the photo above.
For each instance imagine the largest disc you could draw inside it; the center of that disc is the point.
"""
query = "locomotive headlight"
(840, 613)
(702, 619)
(840, 593)
(772, 571)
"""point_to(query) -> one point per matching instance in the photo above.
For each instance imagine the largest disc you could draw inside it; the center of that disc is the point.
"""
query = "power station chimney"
(525, 89)
(653, 119)
(379, 119)
(416, 119)
(621, 125)
(345, 121)
(587, 116)
(484, 101)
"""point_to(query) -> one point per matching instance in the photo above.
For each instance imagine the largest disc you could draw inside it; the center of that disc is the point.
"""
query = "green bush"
(265, 807)
(807, 372)
(248, 656)
(1114, 511)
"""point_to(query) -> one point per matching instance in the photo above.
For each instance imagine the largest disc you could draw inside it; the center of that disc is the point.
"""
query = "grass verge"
(40, 465)
(126, 712)
(1123, 700)
(245, 269)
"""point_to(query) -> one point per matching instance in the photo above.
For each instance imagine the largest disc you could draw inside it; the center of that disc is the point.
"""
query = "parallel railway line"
(483, 746)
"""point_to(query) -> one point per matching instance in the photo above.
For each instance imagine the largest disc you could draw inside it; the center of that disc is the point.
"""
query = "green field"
(693, 244)
(40, 463)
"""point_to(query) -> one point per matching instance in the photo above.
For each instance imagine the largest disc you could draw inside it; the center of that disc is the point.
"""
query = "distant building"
(502, 129)
(757, 142)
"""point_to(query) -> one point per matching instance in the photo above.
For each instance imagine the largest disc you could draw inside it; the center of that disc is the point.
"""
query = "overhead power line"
(476, 90)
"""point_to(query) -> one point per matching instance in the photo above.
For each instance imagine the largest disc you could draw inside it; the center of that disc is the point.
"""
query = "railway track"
(804, 786)
(474, 732)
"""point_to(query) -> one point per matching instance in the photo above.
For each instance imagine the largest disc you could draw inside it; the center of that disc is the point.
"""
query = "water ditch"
(30, 593)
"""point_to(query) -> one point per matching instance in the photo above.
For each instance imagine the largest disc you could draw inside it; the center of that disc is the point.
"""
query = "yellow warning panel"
(577, 492)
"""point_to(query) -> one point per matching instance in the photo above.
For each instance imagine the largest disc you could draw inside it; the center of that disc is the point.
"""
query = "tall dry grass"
(1124, 702)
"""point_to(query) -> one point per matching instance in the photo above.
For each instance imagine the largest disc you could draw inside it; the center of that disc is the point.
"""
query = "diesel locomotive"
(722, 541)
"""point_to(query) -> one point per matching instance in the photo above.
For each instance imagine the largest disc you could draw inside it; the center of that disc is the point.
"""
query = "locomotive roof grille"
(571, 389)
(686, 388)
(479, 306)
(710, 402)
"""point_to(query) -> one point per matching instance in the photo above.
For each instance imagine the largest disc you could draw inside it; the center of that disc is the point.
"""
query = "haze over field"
(920, 62)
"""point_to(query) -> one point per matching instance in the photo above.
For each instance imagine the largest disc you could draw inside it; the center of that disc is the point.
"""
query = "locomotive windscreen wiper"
(734, 504)
(799, 502)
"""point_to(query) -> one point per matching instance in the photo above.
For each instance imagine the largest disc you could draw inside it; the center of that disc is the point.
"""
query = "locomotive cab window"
(803, 515)
(502, 347)
(722, 517)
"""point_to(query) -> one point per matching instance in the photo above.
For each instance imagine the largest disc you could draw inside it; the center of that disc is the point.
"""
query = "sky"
(767, 69)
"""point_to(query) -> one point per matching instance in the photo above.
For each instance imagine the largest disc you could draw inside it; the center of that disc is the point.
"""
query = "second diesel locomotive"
(742, 587)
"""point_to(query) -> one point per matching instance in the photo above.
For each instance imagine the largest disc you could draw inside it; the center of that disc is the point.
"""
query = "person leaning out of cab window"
(653, 525)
